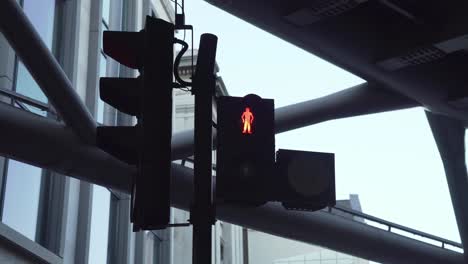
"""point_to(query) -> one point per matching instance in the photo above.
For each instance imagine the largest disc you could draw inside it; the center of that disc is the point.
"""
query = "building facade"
(46, 217)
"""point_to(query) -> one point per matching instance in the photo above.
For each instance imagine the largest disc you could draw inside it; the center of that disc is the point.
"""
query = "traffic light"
(246, 171)
(305, 180)
(148, 97)
(245, 149)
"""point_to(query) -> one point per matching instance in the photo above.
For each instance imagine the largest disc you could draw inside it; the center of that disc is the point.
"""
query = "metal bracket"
(179, 225)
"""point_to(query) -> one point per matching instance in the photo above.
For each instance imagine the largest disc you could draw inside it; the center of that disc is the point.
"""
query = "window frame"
(119, 227)
(54, 49)
(44, 209)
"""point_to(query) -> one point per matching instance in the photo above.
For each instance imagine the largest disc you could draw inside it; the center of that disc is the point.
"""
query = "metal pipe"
(27, 100)
(45, 70)
(362, 99)
(48, 144)
(25, 136)
(320, 228)
(396, 226)
(301, 114)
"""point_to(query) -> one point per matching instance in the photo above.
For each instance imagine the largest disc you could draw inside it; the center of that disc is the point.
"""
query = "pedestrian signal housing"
(245, 148)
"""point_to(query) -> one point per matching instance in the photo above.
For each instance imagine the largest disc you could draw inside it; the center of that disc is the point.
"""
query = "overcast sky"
(390, 160)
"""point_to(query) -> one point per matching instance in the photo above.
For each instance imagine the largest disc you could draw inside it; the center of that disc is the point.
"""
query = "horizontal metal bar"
(362, 99)
(25, 136)
(179, 225)
(28, 100)
(45, 70)
(397, 226)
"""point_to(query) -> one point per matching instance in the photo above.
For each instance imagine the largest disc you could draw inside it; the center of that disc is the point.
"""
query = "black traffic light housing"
(305, 180)
(246, 171)
(245, 149)
(148, 97)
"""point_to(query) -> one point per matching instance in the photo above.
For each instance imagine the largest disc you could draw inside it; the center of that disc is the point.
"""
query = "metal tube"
(49, 144)
(320, 228)
(46, 70)
(201, 214)
(397, 226)
(25, 136)
(361, 99)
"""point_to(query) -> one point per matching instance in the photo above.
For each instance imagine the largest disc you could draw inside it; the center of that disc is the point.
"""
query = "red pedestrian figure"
(247, 119)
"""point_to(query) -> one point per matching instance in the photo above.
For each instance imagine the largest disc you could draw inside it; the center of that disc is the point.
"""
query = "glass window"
(100, 103)
(99, 233)
(466, 148)
(41, 14)
(106, 12)
(157, 250)
(21, 202)
(25, 84)
(23, 182)
(345, 261)
(98, 238)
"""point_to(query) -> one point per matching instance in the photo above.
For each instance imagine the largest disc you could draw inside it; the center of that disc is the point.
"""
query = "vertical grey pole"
(202, 211)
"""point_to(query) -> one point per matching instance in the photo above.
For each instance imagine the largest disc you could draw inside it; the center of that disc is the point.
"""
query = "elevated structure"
(65, 231)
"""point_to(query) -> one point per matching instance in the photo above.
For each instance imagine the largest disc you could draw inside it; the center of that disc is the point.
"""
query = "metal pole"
(202, 211)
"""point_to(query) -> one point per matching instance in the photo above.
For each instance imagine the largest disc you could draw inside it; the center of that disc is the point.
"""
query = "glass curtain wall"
(103, 59)
(41, 13)
(23, 182)
(100, 212)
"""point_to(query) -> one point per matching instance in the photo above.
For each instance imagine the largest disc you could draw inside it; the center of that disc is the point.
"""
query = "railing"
(391, 226)
(22, 102)
(377, 220)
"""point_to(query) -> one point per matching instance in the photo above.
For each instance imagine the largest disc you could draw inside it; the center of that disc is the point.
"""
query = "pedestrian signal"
(247, 120)
(246, 148)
